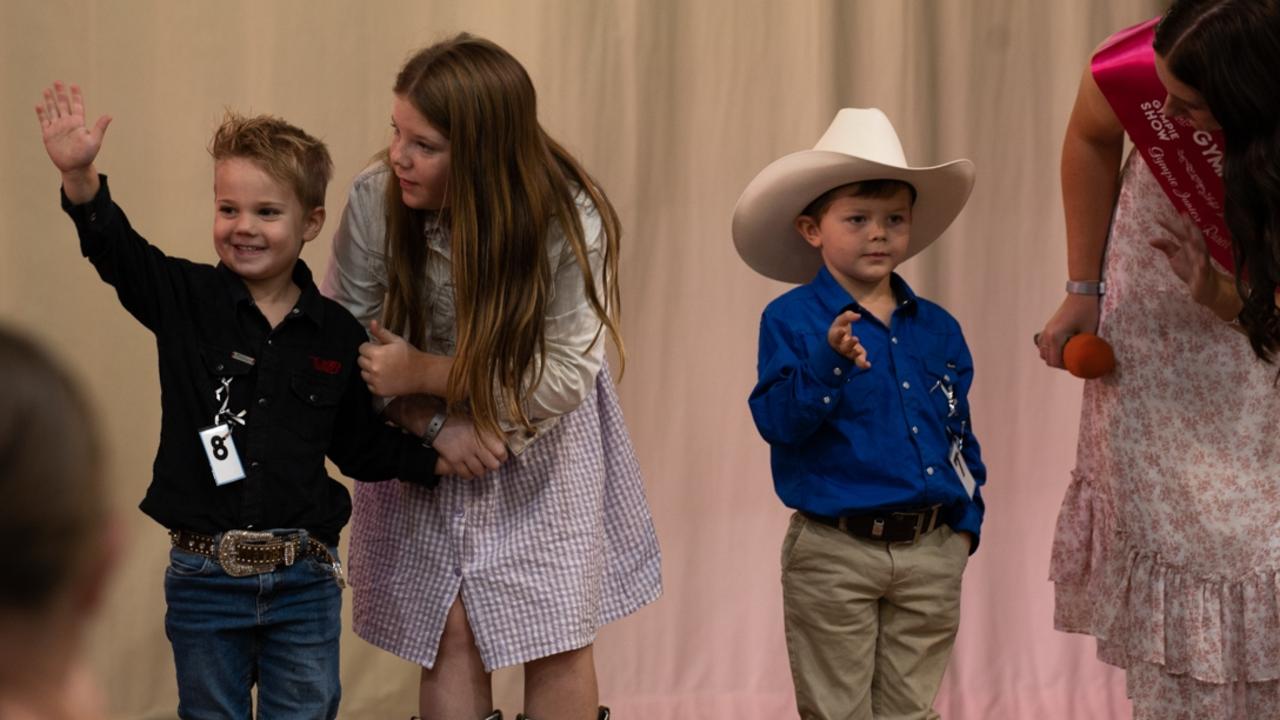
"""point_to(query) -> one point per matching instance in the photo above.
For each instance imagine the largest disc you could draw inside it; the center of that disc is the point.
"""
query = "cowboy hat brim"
(764, 231)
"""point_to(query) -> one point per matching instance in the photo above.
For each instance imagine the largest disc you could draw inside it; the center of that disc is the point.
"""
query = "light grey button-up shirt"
(357, 278)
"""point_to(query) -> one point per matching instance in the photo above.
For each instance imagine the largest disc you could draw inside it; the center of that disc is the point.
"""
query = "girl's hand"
(71, 146)
(1077, 314)
(469, 452)
(1184, 247)
(386, 364)
(843, 341)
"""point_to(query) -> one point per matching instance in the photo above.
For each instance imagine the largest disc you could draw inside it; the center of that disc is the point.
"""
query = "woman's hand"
(1184, 246)
(1077, 314)
(468, 451)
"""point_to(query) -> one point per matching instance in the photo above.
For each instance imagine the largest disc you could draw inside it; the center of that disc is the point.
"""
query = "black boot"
(604, 715)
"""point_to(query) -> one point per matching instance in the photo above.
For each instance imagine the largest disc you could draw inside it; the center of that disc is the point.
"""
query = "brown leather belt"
(887, 525)
(244, 552)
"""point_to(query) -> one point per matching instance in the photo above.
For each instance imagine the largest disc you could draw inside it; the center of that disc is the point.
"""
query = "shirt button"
(826, 399)
(294, 311)
(915, 430)
(946, 377)
(312, 397)
(928, 471)
(218, 367)
(254, 464)
(270, 341)
(893, 340)
(457, 571)
(906, 385)
(93, 217)
(837, 371)
(262, 402)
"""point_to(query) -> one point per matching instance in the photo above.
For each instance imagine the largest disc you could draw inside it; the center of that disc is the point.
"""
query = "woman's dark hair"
(51, 491)
(1229, 52)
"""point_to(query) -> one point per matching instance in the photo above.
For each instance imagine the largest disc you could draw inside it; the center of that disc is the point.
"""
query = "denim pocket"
(188, 564)
(321, 564)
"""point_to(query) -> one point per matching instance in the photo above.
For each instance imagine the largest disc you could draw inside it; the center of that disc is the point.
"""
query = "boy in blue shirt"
(259, 383)
(862, 396)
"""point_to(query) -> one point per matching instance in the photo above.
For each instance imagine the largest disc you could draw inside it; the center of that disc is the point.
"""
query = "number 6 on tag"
(221, 450)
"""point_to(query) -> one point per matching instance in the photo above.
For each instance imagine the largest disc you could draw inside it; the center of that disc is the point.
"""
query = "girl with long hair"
(485, 260)
(1166, 549)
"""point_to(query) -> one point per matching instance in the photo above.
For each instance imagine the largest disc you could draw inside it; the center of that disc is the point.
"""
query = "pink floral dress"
(1168, 540)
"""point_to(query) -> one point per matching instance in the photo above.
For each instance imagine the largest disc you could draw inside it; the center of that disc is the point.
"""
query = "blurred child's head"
(269, 186)
(54, 517)
(861, 230)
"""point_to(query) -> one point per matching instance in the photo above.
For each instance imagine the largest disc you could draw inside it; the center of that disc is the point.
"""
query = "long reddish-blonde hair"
(509, 185)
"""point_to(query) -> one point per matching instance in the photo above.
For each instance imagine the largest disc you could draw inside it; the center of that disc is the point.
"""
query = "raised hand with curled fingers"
(843, 341)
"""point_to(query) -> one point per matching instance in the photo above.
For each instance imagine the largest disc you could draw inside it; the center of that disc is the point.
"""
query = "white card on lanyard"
(221, 450)
(962, 468)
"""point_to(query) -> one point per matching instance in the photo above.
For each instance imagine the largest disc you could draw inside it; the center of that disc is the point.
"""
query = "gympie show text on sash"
(1186, 162)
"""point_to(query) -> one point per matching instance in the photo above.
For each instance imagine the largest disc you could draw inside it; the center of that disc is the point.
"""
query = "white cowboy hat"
(859, 145)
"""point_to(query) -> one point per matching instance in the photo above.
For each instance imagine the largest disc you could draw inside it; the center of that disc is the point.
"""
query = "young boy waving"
(259, 382)
(862, 396)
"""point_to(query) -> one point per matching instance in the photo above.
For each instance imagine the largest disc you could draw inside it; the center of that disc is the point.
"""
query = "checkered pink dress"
(1167, 547)
(544, 551)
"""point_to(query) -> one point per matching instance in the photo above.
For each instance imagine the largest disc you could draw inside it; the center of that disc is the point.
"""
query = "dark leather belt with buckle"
(886, 526)
(245, 552)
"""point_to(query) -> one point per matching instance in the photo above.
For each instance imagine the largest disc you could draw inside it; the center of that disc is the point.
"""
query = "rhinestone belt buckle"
(229, 552)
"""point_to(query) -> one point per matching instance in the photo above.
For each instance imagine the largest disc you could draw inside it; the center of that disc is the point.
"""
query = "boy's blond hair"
(284, 151)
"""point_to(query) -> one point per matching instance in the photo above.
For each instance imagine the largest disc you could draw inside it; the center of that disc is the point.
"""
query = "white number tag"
(221, 450)
(962, 469)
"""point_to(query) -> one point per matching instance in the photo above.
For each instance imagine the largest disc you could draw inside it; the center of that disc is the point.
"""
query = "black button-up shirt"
(298, 385)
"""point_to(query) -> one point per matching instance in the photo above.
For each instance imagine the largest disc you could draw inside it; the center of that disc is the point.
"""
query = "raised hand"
(843, 341)
(71, 145)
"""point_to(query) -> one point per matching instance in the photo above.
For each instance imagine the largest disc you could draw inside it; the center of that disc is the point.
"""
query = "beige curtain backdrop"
(674, 105)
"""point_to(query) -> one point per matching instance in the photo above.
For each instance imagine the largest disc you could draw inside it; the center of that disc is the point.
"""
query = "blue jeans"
(278, 629)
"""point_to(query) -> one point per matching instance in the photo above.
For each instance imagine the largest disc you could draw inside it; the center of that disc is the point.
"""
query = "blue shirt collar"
(836, 299)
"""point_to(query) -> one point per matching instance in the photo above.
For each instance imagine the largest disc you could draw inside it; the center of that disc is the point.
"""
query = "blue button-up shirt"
(847, 440)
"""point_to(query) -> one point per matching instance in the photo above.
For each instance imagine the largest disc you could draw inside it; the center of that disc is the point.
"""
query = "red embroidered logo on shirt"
(328, 367)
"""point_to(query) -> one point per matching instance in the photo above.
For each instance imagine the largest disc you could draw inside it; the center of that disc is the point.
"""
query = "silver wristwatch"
(1086, 287)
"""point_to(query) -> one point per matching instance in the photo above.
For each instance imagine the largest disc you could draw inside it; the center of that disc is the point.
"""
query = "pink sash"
(1186, 162)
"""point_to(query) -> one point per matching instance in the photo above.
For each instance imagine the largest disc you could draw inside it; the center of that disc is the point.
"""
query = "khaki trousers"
(870, 625)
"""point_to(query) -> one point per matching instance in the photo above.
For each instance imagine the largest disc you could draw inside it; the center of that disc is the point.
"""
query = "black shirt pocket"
(313, 407)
